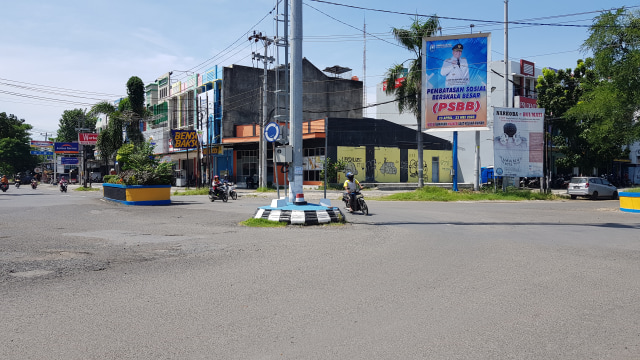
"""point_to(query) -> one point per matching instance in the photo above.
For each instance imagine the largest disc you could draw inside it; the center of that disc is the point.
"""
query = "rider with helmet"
(351, 185)
(4, 180)
(216, 183)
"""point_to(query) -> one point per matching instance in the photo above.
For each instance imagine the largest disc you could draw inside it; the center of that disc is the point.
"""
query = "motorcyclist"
(34, 181)
(351, 185)
(216, 183)
(63, 181)
(4, 180)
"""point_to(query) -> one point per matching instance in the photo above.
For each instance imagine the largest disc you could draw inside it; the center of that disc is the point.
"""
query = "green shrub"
(111, 179)
(140, 167)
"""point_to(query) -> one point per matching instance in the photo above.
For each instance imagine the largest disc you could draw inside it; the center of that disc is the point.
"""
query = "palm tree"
(409, 93)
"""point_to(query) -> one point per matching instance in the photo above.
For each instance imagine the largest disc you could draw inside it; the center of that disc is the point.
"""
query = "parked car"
(592, 187)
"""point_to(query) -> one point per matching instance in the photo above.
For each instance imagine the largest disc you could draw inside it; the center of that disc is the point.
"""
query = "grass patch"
(201, 191)
(433, 193)
(634, 190)
(82, 188)
(265, 189)
(253, 222)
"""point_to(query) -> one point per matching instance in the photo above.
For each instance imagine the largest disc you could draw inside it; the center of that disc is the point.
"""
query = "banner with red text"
(454, 82)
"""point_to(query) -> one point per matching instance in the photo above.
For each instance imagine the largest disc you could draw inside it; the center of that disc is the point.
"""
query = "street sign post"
(271, 132)
(34, 152)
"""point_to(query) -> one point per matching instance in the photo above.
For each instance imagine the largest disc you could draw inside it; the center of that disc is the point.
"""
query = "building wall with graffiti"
(393, 164)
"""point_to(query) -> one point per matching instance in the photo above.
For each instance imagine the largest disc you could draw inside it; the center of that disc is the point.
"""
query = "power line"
(64, 89)
(465, 19)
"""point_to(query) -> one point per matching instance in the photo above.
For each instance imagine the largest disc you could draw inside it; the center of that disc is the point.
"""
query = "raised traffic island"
(630, 201)
(138, 194)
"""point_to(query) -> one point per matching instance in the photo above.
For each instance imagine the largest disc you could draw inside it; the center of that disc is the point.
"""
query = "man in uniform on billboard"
(456, 68)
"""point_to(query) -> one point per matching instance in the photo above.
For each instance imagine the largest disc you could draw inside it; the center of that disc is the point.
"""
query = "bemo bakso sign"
(184, 139)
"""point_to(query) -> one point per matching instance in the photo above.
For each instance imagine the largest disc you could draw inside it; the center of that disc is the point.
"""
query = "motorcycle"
(359, 203)
(219, 193)
(231, 191)
(4, 187)
(34, 184)
(63, 187)
(17, 184)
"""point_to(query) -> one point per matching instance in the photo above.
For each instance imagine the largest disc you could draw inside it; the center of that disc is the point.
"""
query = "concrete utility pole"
(262, 143)
(506, 65)
(46, 138)
(296, 99)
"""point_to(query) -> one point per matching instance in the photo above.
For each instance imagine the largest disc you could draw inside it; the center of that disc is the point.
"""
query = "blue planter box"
(138, 194)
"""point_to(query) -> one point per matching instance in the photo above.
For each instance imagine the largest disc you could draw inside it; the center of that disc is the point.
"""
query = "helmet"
(350, 175)
(216, 177)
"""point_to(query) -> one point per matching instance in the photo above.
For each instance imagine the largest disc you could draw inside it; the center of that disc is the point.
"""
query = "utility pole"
(282, 91)
(262, 143)
(295, 110)
(82, 129)
(46, 137)
(506, 66)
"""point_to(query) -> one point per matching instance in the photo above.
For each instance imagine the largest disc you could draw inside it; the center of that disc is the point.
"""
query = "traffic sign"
(271, 132)
(33, 152)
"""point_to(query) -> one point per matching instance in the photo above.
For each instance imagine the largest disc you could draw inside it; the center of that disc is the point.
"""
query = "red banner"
(87, 138)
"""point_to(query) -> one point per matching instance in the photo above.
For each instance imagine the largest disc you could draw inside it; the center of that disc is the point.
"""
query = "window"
(247, 164)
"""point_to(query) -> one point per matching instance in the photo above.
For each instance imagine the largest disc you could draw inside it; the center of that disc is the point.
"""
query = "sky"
(66, 54)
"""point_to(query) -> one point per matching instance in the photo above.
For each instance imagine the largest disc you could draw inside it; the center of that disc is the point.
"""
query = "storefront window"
(247, 165)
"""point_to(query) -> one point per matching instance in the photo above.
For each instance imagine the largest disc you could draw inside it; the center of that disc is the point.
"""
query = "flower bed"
(138, 194)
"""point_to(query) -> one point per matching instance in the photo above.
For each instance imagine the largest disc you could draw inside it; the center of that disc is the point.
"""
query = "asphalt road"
(82, 278)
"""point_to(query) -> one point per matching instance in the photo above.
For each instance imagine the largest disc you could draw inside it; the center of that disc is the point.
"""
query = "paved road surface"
(81, 278)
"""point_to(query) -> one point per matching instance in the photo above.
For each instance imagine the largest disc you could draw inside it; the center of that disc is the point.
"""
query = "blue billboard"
(66, 148)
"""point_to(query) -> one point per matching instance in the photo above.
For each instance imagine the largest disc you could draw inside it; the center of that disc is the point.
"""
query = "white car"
(592, 187)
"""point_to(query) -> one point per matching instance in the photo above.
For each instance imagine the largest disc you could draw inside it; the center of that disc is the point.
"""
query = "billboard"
(69, 161)
(87, 138)
(47, 144)
(184, 139)
(524, 102)
(454, 82)
(518, 142)
(66, 148)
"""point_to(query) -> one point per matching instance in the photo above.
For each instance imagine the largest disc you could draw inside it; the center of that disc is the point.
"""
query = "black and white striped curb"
(301, 217)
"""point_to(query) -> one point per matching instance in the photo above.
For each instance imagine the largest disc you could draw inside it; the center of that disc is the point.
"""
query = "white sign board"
(518, 142)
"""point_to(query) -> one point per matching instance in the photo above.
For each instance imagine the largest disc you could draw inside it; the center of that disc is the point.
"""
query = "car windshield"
(578, 180)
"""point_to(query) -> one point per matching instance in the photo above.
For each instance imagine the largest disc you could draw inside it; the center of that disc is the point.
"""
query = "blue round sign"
(271, 132)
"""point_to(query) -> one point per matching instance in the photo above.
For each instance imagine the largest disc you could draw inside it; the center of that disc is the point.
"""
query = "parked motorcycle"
(4, 187)
(218, 193)
(359, 203)
(63, 187)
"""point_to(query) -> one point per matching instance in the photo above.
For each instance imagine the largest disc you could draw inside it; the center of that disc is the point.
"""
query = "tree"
(110, 139)
(135, 91)
(71, 120)
(557, 93)
(15, 147)
(409, 93)
(615, 42)
(595, 107)
(140, 167)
